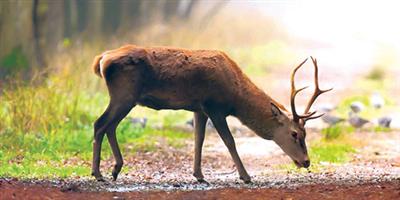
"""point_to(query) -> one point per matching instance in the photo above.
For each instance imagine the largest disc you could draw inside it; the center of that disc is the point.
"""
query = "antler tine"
(294, 92)
(317, 90)
(313, 117)
(307, 115)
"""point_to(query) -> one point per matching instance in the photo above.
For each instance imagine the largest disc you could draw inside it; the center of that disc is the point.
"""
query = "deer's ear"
(276, 112)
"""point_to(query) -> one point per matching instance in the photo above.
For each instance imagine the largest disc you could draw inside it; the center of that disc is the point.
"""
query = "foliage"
(14, 61)
(256, 60)
(379, 129)
(332, 152)
(336, 131)
(377, 73)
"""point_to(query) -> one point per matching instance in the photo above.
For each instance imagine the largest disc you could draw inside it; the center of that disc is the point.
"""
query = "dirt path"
(385, 190)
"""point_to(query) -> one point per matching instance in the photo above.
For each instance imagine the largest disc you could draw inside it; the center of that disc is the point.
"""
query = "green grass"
(379, 129)
(29, 169)
(377, 73)
(69, 153)
(332, 152)
(336, 131)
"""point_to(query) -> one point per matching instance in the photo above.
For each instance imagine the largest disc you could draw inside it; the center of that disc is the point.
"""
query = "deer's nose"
(306, 163)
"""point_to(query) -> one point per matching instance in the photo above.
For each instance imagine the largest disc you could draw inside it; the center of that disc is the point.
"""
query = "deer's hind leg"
(123, 92)
(107, 123)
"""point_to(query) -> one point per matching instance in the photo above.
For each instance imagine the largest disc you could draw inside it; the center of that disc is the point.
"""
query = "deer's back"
(184, 79)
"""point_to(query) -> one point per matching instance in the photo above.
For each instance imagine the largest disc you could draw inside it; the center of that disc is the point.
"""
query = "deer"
(205, 82)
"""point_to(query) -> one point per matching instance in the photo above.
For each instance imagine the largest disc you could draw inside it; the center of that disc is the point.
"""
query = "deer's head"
(290, 134)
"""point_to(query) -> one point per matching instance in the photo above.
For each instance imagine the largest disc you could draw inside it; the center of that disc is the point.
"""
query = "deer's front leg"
(220, 124)
(200, 120)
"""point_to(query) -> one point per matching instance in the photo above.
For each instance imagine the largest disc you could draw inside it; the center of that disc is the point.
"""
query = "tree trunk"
(54, 33)
(95, 17)
(170, 9)
(36, 35)
(131, 18)
(82, 14)
(111, 16)
(187, 12)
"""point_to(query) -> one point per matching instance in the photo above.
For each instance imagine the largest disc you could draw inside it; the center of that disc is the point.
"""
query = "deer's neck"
(254, 110)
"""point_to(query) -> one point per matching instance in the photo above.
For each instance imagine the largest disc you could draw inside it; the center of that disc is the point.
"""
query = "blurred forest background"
(49, 96)
(33, 32)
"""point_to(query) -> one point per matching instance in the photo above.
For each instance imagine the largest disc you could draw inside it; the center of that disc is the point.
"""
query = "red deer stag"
(205, 82)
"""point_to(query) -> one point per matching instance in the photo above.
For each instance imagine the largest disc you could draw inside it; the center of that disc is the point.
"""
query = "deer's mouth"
(297, 164)
(304, 164)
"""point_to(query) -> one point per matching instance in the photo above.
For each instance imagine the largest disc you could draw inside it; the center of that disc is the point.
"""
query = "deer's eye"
(294, 135)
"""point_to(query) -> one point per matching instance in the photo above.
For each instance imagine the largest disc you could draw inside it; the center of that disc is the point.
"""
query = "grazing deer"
(205, 82)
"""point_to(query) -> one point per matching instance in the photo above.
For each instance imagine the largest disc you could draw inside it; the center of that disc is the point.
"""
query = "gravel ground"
(349, 175)
(171, 169)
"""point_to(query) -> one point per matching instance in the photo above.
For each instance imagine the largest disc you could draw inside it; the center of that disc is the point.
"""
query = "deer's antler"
(307, 115)
(317, 91)
(294, 92)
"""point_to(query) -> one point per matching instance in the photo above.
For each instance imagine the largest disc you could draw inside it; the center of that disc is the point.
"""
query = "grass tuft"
(336, 131)
(330, 152)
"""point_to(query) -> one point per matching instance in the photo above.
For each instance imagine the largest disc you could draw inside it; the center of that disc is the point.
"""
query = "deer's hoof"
(98, 177)
(114, 175)
(202, 181)
(246, 179)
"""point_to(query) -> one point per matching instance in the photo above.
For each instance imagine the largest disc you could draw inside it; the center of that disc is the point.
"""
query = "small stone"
(176, 185)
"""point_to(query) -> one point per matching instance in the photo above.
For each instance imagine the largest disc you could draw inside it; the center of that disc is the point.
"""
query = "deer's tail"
(101, 63)
(96, 65)
(128, 54)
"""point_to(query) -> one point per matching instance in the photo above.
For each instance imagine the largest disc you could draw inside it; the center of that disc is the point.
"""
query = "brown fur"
(206, 82)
